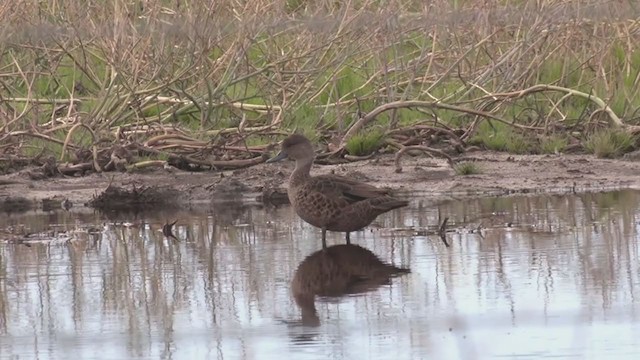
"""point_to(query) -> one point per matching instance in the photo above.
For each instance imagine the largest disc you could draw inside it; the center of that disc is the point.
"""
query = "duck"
(337, 271)
(331, 202)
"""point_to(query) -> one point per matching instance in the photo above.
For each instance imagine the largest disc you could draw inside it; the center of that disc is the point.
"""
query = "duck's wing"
(348, 189)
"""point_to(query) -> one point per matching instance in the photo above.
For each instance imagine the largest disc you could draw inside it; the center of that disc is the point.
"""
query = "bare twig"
(425, 149)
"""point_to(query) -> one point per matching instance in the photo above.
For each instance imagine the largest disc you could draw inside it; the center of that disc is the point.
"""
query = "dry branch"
(94, 147)
(425, 149)
(363, 121)
(161, 69)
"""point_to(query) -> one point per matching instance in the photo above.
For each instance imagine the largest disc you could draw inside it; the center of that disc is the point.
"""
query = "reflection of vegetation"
(585, 208)
(15, 204)
(497, 204)
(227, 270)
(623, 201)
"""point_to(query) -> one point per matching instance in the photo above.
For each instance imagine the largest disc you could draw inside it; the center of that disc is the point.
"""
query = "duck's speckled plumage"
(331, 202)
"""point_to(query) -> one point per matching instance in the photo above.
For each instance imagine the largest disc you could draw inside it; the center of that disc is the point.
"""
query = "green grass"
(609, 143)
(501, 137)
(467, 168)
(554, 144)
(496, 141)
(567, 72)
(348, 82)
(551, 71)
(292, 6)
(317, 73)
(34, 147)
(80, 137)
(519, 144)
(160, 156)
(365, 142)
(305, 120)
(258, 140)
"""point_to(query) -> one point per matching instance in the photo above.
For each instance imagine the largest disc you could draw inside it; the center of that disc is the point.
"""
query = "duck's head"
(294, 147)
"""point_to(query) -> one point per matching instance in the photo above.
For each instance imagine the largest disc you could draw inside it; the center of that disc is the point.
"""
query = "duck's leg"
(324, 239)
(348, 240)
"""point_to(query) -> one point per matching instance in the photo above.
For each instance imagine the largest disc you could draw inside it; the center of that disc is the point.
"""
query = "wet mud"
(501, 174)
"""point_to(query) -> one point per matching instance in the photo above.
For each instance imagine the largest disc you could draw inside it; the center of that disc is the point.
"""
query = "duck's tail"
(387, 203)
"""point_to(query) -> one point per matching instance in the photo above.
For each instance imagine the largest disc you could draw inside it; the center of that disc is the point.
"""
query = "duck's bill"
(280, 156)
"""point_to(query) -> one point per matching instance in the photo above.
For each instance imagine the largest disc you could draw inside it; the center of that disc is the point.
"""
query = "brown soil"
(501, 174)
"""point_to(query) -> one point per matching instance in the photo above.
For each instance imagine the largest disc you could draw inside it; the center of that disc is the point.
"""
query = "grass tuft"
(609, 143)
(554, 144)
(313, 67)
(365, 143)
(467, 168)
(501, 137)
(519, 144)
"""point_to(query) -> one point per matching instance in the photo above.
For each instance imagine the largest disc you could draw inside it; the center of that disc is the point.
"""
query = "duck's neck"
(301, 172)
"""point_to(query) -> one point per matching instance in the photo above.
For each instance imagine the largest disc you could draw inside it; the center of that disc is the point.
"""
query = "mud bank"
(502, 174)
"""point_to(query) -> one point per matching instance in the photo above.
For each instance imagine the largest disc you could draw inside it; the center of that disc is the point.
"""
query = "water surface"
(525, 277)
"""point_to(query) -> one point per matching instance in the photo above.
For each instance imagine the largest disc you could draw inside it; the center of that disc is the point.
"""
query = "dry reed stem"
(140, 74)
(94, 147)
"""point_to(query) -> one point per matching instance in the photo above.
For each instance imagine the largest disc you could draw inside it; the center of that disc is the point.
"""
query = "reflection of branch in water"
(337, 271)
(229, 212)
(167, 230)
(442, 231)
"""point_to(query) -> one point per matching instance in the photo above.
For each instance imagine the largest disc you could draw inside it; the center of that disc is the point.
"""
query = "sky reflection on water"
(545, 276)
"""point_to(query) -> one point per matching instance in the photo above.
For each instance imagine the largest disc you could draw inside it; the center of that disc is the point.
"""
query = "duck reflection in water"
(337, 271)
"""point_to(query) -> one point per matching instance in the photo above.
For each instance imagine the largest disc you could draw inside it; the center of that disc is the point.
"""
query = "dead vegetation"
(116, 198)
(130, 85)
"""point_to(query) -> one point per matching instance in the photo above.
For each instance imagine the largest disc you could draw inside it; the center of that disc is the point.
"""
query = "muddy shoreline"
(502, 174)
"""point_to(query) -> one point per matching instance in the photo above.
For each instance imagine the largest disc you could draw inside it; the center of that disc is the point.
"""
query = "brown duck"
(331, 202)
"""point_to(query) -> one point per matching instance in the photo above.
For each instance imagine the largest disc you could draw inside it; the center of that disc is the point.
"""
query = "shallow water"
(524, 277)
